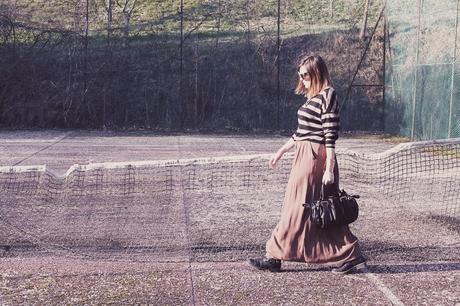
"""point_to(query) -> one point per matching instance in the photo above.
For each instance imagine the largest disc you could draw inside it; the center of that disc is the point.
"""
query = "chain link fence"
(422, 72)
(183, 64)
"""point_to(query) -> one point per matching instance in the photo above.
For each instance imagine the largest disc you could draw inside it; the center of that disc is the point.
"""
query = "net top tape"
(210, 160)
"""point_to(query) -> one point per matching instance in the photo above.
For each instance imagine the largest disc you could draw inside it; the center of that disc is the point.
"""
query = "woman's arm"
(330, 159)
(330, 119)
(286, 147)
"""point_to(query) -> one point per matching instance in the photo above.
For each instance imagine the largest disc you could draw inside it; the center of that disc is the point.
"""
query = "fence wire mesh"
(175, 64)
(422, 70)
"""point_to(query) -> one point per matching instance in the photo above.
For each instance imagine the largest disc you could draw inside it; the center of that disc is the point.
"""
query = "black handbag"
(337, 208)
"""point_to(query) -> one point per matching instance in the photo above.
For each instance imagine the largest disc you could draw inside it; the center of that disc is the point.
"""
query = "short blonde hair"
(318, 72)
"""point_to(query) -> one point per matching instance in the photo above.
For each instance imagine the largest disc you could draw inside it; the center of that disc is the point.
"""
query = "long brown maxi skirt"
(295, 238)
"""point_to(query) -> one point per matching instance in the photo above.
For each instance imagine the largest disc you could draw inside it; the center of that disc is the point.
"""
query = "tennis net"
(219, 208)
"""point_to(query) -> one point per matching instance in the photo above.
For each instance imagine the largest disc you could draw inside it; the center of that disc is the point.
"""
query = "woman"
(296, 238)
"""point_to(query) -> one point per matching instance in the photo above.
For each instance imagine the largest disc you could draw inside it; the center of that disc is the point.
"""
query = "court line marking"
(187, 231)
(382, 287)
(58, 139)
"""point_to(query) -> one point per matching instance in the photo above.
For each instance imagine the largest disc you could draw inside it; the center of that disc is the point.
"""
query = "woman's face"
(305, 77)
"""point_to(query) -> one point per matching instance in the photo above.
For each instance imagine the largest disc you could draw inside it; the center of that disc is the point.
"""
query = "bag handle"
(323, 186)
(322, 193)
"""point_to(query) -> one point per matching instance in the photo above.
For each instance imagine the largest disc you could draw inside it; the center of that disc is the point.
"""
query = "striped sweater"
(318, 119)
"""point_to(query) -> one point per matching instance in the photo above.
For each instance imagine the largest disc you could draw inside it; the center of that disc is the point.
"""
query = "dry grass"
(376, 136)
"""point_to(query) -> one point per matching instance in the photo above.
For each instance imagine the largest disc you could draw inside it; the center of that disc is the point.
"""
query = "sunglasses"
(303, 75)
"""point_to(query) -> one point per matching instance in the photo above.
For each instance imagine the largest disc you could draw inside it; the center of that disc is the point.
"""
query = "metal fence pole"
(419, 9)
(278, 48)
(454, 58)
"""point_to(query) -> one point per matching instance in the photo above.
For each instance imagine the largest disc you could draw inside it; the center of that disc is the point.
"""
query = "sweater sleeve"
(330, 118)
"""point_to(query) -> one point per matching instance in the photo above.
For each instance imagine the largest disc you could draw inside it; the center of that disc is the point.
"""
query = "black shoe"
(351, 266)
(274, 265)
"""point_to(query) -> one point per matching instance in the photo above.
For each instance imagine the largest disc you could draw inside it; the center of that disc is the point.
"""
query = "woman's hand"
(274, 159)
(328, 177)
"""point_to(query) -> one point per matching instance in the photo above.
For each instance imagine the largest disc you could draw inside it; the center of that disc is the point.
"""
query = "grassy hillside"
(164, 15)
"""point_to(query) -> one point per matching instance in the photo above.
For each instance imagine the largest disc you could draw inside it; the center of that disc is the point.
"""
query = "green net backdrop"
(422, 69)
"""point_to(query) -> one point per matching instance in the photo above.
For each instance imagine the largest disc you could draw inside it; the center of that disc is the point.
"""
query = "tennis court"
(105, 198)
(133, 218)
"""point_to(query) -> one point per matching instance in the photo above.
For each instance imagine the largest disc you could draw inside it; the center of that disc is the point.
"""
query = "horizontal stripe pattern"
(318, 119)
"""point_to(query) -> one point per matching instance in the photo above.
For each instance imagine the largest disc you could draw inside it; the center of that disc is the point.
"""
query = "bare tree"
(128, 8)
(331, 9)
(362, 33)
(109, 9)
(7, 24)
(218, 21)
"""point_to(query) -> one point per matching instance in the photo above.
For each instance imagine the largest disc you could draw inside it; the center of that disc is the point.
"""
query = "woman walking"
(296, 238)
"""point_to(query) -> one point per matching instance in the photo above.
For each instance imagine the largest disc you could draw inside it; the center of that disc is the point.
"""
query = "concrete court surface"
(59, 149)
(51, 281)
